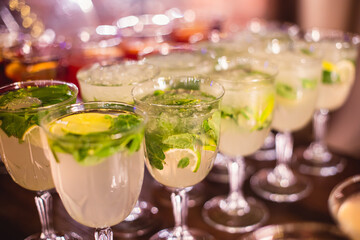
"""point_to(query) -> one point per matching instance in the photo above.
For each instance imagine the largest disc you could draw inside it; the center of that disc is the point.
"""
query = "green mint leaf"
(183, 163)
(158, 92)
(285, 91)
(306, 51)
(308, 83)
(330, 77)
(183, 140)
(154, 150)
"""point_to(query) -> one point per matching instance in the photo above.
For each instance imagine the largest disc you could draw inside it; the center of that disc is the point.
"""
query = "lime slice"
(33, 136)
(346, 71)
(173, 156)
(82, 124)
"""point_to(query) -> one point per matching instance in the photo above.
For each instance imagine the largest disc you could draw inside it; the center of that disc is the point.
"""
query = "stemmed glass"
(296, 94)
(181, 61)
(344, 206)
(339, 51)
(246, 115)
(24, 153)
(113, 81)
(181, 139)
(96, 160)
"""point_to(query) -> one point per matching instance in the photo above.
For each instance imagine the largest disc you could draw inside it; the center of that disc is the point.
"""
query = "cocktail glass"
(246, 115)
(97, 161)
(340, 52)
(273, 37)
(181, 61)
(296, 93)
(344, 206)
(23, 151)
(113, 81)
(181, 139)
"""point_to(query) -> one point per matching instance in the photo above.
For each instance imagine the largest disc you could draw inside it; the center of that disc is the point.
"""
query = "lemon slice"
(173, 156)
(328, 66)
(33, 136)
(346, 71)
(82, 124)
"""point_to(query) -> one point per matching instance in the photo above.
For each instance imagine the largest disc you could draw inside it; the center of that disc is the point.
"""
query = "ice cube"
(25, 102)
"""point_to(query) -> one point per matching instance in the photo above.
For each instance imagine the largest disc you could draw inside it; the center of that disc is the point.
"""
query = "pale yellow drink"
(296, 90)
(348, 216)
(26, 161)
(247, 107)
(99, 188)
(24, 156)
(100, 195)
(113, 82)
(338, 74)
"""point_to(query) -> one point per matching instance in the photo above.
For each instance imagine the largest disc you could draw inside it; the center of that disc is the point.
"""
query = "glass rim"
(40, 83)
(164, 50)
(116, 62)
(342, 185)
(239, 60)
(306, 226)
(81, 107)
(329, 33)
(203, 79)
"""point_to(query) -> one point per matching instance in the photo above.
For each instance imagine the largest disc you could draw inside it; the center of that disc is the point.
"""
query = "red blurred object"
(89, 47)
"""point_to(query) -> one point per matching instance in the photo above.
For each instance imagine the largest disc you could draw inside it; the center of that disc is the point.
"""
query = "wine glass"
(181, 139)
(181, 61)
(246, 115)
(21, 106)
(113, 81)
(296, 94)
(340, 52)
(96, 160)
(344, 206)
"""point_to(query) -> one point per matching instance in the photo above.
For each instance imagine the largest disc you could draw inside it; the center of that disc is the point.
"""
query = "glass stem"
(282, 175)
(321, 118)
(179, 200)
(43, 202)
(236, 202)
(103, 234)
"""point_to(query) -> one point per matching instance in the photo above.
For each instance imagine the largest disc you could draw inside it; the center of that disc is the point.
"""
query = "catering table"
(19, 218)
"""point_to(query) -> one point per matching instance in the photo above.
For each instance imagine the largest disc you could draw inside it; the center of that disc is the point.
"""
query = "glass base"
(231, 222)
(55, 236)
(293, 192)
(189, 234)
(328, 165)
(196, 195)
(143, 222)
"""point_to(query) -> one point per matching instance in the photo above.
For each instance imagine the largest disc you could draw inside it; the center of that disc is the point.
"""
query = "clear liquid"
(26, 162)
(101, 195)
